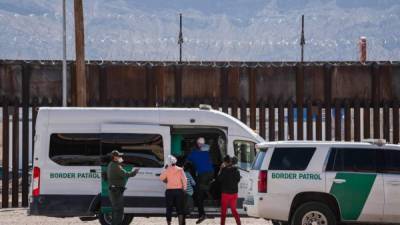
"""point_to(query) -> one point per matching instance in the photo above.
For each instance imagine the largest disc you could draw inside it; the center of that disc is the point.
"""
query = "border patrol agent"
(117, 176)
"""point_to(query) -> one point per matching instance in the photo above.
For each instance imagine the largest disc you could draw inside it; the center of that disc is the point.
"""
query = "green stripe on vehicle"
(352, 194)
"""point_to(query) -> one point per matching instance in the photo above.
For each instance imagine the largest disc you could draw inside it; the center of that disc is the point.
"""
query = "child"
(188, 205)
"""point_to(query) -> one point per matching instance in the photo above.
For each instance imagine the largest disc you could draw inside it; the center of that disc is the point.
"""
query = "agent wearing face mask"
(116, 177)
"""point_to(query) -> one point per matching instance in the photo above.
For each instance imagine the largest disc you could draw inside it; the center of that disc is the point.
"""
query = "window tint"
(75, 149)
(245, 152)
(353, 160)
(140, 150)
(291, 158)
(259, 159)
(392, 161)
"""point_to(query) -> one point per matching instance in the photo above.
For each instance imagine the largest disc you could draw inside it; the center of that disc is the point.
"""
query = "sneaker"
(201, 219)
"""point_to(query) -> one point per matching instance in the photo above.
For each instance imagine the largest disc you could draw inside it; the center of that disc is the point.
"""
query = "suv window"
(392, 161)
(140, 150)
(75, 149)
(245, 152)
(353, 160)
(259, 159)
(291, 158)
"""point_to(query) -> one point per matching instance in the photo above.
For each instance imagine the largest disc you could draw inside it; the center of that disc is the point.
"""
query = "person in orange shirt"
(176, 181)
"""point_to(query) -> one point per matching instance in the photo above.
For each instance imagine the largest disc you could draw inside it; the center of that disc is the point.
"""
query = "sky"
(213, 30)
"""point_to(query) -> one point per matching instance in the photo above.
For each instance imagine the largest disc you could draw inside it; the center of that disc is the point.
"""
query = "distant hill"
(256, 30)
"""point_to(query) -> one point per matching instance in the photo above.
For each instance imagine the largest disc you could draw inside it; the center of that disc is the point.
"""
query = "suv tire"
(314, 211)
(279, 223)
(105, 219)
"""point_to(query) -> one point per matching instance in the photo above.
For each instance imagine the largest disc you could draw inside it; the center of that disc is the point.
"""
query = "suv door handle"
(158, 174)
(394, 183)
(93, 171)
(339, 181)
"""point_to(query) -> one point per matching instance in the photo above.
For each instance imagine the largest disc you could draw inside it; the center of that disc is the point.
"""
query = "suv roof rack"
(379, 142)
(205, 107)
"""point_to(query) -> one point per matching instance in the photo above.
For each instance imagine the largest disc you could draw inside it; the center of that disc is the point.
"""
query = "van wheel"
(106, 219)
(313, 213)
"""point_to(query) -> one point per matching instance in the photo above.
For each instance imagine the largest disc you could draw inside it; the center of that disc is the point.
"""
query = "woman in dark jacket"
(229, 177)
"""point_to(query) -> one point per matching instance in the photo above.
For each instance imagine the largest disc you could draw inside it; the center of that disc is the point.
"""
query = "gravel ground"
(19, 216)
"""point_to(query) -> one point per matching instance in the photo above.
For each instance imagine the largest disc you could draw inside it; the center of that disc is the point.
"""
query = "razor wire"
(131, 45)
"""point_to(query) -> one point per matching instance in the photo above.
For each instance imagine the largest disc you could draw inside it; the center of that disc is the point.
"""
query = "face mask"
(120, 160)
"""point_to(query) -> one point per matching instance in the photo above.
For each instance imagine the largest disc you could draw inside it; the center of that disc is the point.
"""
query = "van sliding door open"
(144, 147)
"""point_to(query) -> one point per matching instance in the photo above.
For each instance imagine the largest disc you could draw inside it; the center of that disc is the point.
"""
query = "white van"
(70, 144)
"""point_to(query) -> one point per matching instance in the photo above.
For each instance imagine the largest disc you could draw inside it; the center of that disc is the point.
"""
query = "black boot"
(201, 219)
(181, 219)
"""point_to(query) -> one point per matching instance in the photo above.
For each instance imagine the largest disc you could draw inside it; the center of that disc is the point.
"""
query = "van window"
(392, 161)
(75, 149)
(140, 150)
(259, 159)
(291, 158)
(352, 160)
(245, 152)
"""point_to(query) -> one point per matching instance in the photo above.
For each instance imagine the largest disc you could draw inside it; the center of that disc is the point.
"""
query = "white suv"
(308, 182)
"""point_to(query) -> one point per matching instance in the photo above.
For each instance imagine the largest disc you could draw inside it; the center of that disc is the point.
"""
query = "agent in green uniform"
(116, 177)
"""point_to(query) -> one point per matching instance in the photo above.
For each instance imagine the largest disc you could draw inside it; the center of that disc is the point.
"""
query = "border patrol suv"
(325, 183)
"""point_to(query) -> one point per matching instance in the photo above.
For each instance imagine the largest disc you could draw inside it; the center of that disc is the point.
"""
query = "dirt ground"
(19, 216)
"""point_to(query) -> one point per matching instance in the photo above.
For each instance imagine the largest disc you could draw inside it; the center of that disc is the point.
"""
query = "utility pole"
(80, 79)
(64, 62)
(180, 39)
(302, 39)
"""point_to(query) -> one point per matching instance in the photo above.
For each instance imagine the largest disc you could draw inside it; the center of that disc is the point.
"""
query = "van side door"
(352, 178)
(70, 179)
(245, 152)
(391, 178)
(145, 147)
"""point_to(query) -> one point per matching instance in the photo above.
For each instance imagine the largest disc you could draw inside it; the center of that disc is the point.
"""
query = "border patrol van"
(325, 183)
(71, 145)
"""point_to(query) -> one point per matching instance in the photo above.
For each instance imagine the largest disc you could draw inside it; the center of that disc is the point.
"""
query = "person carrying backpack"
(229, 177)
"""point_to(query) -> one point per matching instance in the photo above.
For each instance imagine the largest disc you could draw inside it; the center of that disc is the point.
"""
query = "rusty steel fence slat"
(318, 126)
(15, 155)
(357, 121)
(5, 154)
(281, 121)
(396, 132)
(271, 119)
(261, 119)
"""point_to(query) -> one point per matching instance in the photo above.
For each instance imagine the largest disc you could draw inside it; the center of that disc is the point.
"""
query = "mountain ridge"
(229, 30)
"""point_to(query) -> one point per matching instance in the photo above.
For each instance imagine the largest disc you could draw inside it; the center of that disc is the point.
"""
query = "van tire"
(308, 208)
(104, 220)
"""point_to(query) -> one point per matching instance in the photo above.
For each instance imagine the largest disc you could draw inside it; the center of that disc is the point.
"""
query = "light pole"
(302, 39)
(180, 39)
(64, 61)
